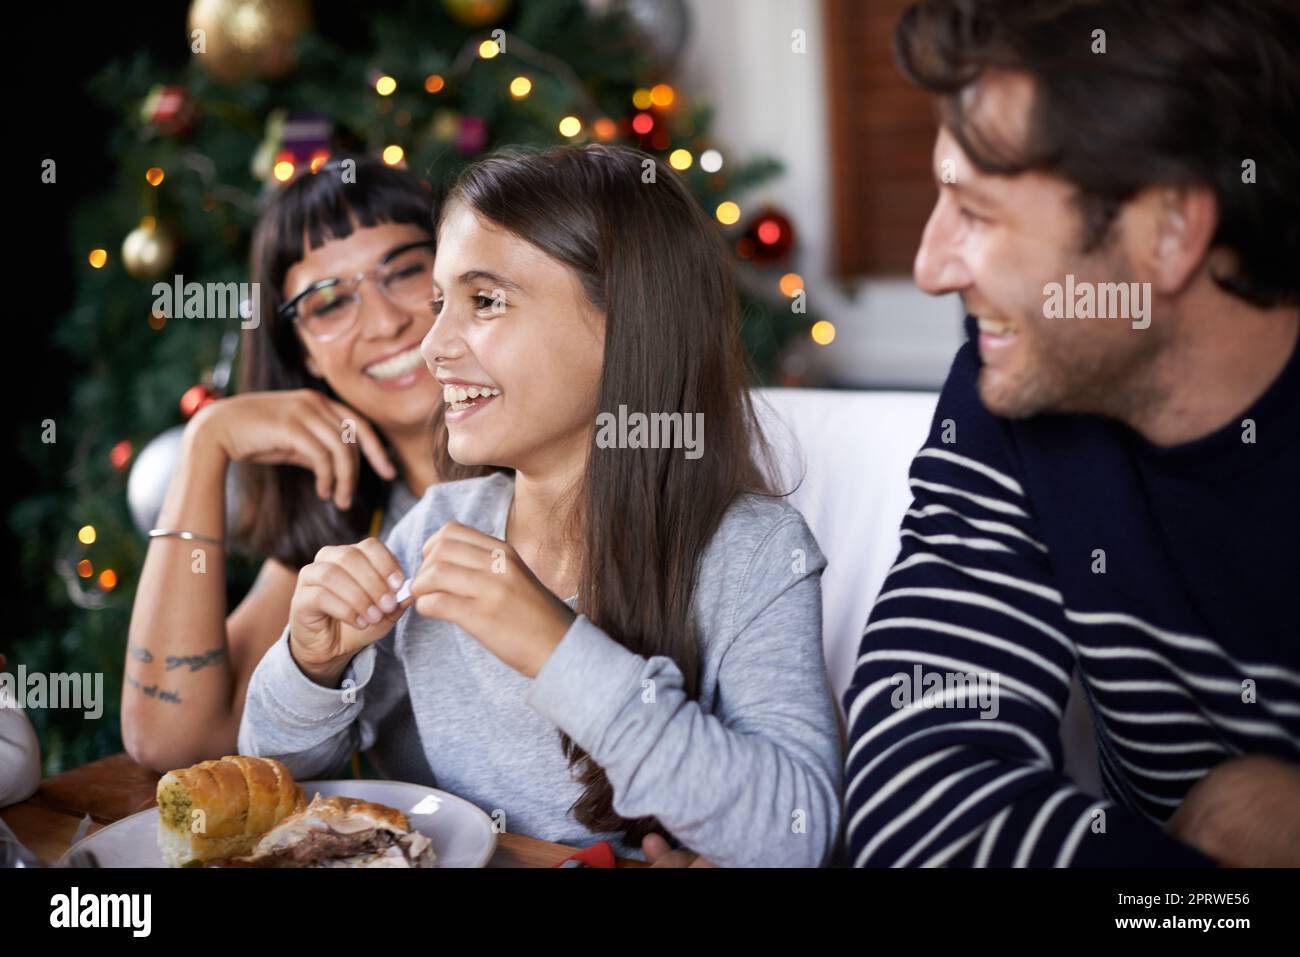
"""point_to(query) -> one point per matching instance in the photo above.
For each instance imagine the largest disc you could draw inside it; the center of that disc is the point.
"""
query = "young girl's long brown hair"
(654, 263)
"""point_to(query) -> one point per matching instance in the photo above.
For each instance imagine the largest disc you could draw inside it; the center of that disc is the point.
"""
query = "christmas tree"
(266, 97)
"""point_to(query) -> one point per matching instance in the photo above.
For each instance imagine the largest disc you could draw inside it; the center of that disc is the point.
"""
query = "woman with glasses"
(332, 427)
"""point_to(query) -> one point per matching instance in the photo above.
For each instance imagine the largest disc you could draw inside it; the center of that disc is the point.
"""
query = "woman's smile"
(398, 370)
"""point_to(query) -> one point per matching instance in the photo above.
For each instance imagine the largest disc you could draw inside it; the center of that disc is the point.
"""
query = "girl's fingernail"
(388, 603)
(395, 580)
(374, 614)
(362, 623)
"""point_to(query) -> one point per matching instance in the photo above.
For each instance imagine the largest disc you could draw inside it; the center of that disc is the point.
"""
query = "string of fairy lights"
(651, 106)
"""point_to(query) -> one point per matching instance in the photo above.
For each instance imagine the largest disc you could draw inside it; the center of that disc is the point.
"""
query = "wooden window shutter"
(882, 138)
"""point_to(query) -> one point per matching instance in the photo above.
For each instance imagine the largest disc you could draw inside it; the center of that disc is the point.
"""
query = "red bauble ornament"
(120, 454)
(168, 109)
(195, 398)
(768, 239)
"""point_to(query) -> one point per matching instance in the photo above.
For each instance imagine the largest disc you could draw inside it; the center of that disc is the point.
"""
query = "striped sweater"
(1034, 550)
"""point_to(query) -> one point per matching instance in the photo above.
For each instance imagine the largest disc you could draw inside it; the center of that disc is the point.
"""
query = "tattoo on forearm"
(195, 661)
(153, 691)
(139, 653)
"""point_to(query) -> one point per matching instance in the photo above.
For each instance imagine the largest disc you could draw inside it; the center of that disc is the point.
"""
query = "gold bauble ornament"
(247, 39)
(476, 13)
(148, 250)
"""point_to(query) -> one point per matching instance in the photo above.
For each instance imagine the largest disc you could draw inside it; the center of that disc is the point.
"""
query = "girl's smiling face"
(370, 367)
(513, 323)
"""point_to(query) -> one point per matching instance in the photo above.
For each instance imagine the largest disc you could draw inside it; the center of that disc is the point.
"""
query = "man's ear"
(1186, 218)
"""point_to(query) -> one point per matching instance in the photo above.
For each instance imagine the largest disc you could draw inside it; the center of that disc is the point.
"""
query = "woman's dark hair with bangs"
(281, 516)
(1185, 92)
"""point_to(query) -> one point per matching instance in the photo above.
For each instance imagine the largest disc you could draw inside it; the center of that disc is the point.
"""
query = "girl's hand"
(660, 854)
(344, 601)
(479, 583)
(297, 427)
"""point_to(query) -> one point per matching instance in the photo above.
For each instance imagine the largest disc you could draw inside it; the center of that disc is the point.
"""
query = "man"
(1109, 488)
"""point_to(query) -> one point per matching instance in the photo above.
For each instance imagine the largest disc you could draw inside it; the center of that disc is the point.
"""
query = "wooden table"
(115, 787)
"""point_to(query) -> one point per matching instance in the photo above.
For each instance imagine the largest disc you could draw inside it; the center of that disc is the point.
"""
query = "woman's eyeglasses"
(330, 308)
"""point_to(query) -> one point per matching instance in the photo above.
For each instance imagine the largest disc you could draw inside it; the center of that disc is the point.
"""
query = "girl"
(333, 406)
(624, 637)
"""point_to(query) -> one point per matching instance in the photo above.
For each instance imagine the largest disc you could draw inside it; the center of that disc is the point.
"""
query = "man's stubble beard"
(1072, 366)
(1068, 374)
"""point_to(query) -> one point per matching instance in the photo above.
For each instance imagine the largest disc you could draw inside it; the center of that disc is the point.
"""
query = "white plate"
(462, 835)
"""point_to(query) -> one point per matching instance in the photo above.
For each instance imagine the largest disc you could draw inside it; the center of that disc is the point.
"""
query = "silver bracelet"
(188, 536)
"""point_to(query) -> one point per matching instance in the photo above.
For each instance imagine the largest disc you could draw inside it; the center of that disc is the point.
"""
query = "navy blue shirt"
(1164, 578)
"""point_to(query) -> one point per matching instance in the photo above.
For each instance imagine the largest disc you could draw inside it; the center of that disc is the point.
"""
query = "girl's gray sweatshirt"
(747, 774)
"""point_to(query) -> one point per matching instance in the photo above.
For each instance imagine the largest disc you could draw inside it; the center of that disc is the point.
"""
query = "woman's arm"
(198, 716)
(187, 664)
